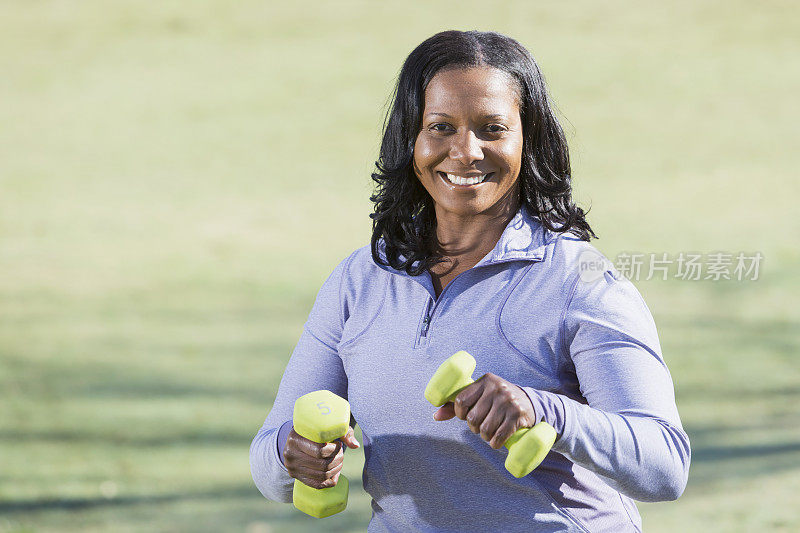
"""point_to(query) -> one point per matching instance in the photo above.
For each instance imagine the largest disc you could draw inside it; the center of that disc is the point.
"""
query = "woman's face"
(468, 152)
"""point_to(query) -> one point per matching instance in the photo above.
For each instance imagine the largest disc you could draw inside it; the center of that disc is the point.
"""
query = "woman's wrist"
(283, 436)
(548, 407)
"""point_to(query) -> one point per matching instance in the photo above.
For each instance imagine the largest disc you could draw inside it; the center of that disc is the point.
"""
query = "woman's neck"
(458, 236)
(463, 241)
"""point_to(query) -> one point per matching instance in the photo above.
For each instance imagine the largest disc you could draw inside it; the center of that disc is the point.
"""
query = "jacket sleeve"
(314, 365)
(629, 432)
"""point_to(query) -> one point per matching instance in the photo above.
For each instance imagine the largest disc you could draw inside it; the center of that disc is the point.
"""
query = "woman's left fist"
(493, 407)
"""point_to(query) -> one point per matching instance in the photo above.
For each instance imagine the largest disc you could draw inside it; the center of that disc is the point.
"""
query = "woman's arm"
(630, 433)
(314, 365)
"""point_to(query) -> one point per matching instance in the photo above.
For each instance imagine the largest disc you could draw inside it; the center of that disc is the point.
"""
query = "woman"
(478, 246)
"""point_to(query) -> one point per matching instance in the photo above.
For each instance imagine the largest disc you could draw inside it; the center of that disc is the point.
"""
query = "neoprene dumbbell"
(323, 417)
(527, 447)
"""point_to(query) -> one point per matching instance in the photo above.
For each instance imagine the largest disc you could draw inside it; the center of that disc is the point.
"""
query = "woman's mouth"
(464, 181)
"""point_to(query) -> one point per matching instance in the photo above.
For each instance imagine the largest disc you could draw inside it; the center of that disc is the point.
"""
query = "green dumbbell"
(527, 447)
(323, 417)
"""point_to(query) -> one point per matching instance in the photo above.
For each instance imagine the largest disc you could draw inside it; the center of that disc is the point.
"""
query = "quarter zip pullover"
(583, 348)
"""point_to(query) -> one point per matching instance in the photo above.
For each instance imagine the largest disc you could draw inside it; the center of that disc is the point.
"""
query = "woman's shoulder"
(359, 263)
(358, 273)
(579, 258)
(354, 281)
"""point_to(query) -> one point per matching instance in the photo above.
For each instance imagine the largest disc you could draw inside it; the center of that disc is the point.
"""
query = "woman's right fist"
(314, 464)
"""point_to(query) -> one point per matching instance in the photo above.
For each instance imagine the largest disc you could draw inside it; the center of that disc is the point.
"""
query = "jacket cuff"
(548, 407)
(283, 436)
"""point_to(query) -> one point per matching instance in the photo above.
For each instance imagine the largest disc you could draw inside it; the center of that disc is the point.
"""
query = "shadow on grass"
(713, 460)
(717, 392)
(710, 433)
(775, 336)
(74, 504)
(222, 438)
(241, 492)
(706, 454)
(116, 380)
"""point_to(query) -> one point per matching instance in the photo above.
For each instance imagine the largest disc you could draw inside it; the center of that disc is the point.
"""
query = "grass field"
(177, 179)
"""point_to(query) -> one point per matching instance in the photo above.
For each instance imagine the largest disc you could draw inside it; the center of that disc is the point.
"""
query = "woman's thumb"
(350, 439)
(445, 412)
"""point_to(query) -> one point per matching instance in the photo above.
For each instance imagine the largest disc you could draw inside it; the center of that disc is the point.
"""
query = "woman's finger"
(467, 398)
(506, 429)
(317, 463)
(330, 449)
(492, 421)
(296, 442)
(476, 417)
(327, 463)
(445, 412)
(313, 474)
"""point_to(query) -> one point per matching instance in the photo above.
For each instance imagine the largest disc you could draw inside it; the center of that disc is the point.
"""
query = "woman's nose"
(466, 148)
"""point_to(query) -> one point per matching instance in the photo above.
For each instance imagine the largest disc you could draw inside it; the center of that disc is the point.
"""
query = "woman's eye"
(492, 128)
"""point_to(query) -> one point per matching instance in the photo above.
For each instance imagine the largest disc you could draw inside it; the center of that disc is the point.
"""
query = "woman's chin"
(460, 208)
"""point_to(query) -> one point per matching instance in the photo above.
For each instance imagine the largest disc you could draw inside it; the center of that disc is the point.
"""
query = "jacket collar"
(523, 239)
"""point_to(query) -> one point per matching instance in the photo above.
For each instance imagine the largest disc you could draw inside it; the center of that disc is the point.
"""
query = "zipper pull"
(426, 319)
(426, 322)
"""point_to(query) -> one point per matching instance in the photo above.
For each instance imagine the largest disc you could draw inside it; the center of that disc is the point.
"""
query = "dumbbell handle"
(527, 447)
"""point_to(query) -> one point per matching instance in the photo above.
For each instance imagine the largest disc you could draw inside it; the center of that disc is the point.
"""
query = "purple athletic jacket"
(537, 312)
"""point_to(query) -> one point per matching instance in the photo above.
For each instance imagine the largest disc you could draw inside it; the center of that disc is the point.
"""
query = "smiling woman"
(469, 160)
(467, 156)
(492, 87)
(477, 246)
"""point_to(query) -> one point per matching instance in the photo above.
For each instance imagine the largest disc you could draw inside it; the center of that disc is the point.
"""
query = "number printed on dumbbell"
(321, 406)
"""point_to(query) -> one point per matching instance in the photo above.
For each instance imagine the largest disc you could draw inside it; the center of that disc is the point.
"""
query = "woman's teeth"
(458, 180)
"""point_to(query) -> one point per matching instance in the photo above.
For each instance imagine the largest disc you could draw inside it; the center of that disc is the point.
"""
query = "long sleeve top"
(543, 310)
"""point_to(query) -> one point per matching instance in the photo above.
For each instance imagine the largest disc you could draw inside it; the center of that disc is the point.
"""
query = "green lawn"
(176, 184)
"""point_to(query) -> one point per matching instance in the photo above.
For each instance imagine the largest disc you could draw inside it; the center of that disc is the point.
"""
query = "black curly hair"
(404, 217)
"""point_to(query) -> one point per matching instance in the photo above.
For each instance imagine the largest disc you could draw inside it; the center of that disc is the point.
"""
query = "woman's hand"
(314, 464)
(493, 407)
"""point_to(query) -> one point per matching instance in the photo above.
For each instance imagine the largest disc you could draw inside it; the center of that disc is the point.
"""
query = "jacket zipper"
(430, 308)
(426, 320)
